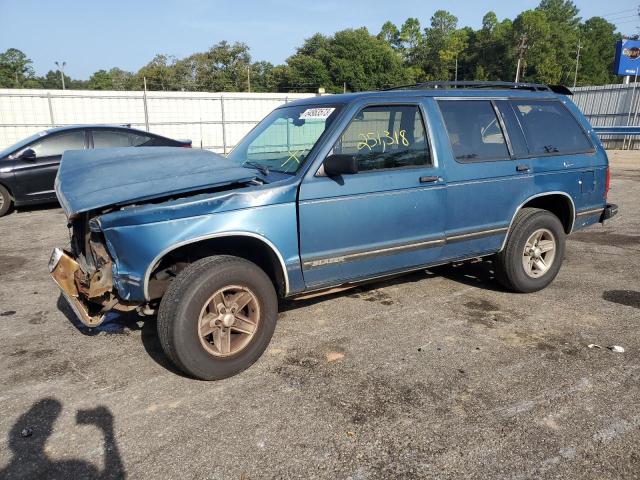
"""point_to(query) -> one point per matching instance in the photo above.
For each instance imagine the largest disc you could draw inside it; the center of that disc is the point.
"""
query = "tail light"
(186, 145)
(607, 182)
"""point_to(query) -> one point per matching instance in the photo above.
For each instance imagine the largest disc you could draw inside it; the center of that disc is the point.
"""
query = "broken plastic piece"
(616, 348)
(594, 345)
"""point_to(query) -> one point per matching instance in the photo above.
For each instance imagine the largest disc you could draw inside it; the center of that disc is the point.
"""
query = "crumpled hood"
(92, 179)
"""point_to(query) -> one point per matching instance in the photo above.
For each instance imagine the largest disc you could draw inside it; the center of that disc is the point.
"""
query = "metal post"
(518, 71)
(144, 101)
(224, 127)
(53, 124)
(633, 96)
(456, 76)
(635, 122)
(286, 100)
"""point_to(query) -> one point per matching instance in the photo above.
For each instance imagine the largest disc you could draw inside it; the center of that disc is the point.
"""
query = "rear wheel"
(217, 317)
(5, 201)
(533, 253)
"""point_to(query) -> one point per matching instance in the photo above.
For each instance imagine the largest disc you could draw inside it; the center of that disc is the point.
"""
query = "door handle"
(522, 168)
(429, 179)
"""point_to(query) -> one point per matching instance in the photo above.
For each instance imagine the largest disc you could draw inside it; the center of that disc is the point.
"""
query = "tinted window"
(386, 137)
(550, 128)
(139, 140)
(110, 139)
(474, 130)
(57, 144)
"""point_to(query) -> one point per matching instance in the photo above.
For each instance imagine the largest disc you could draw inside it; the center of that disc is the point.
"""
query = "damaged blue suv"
(325, 193)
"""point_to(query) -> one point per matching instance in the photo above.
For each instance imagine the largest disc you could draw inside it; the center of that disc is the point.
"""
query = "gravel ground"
(438, 374)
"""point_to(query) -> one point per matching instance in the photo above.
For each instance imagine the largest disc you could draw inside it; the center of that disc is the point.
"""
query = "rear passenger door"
(561, 155)
(484, 183)
(387, 217)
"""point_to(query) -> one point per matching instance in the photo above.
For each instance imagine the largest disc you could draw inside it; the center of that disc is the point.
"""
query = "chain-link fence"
(215, 121)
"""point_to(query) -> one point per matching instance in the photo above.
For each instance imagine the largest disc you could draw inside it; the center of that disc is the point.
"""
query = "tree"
(597, 38)
(16, 70)
(354, 59)
(159, 73)
(390, 34)
(563, 21)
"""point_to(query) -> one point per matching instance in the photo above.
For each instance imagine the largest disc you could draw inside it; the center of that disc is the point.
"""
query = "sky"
(94, 35)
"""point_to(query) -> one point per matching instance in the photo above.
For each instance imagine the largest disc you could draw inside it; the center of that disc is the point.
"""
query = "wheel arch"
(250, 246)
(559, 203)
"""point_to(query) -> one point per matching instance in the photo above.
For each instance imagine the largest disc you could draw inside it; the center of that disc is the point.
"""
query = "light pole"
(61, 70)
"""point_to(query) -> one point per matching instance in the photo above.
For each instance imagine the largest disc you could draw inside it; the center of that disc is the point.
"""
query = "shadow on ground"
(29, 435)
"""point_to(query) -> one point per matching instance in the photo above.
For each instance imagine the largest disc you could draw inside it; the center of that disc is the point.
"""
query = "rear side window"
(474, 130)
(114, 139)
(110, 139)
(550, 128)
(382, 137)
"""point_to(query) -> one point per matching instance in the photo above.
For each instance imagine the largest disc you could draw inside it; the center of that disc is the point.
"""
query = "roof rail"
(534, 87)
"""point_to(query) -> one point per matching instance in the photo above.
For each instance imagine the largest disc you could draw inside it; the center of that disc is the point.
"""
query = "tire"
(522, 272)
(189, 300)
(5, 201)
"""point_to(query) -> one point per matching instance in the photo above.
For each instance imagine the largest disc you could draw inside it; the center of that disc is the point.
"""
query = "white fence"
(215, 121)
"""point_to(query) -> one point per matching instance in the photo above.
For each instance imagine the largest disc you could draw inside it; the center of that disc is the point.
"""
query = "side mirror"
(340, 164)
(28, 154)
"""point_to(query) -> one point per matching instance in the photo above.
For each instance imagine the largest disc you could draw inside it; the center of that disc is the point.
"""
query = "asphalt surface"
(437, 374)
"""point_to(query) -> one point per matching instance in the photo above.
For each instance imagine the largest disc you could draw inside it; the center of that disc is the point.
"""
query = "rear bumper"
(62, 268)
(610, 211)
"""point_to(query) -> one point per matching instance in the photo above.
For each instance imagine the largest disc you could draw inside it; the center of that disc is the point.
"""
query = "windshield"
(282, 141)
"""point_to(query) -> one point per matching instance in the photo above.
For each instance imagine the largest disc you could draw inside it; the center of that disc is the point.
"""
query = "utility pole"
(61, 70)
(575, 76)
(522, 47)
(249, 78)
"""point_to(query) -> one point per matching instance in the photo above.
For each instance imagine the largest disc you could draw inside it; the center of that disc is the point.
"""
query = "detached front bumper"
(63, 268)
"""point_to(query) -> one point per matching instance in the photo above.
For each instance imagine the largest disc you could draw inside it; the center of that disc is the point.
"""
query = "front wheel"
(5, 201)
(533, 252)
(217, 317)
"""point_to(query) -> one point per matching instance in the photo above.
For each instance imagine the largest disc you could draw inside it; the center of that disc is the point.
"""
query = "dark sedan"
(28, 168)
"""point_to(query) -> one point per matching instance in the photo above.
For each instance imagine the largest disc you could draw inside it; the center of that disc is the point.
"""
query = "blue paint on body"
(327, 231)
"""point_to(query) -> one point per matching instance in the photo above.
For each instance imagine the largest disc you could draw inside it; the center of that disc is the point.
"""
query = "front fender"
(136, 249)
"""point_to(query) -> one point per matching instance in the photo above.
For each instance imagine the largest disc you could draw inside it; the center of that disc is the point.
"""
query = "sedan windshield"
(282, 141)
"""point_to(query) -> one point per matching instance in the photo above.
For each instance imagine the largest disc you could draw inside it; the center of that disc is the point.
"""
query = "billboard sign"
(627, 60)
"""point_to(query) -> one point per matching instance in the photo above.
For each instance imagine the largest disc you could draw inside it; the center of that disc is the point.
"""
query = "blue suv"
(325, 193)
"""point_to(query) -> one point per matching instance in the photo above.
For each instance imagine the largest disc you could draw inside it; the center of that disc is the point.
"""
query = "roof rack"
(533, 87)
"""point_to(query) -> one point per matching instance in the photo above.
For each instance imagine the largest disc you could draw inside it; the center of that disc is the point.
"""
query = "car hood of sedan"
(94, 179)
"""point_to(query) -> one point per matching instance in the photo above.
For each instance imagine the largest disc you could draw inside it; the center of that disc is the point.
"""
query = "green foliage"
(546, 38)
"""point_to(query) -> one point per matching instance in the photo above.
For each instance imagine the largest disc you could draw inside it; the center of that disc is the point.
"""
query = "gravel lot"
(437, 374)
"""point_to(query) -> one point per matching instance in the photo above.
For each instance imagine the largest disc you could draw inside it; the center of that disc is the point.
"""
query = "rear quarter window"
(550, 128)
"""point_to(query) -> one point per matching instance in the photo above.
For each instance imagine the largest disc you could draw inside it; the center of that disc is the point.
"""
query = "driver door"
(389, 216)
(35, 177)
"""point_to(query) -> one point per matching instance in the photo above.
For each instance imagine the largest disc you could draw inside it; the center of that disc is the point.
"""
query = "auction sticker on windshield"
(316, 113)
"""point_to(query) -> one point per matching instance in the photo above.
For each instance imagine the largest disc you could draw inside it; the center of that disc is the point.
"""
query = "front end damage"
(84, 276)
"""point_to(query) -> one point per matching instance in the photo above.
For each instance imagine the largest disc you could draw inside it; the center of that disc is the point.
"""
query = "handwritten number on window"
(384, 138)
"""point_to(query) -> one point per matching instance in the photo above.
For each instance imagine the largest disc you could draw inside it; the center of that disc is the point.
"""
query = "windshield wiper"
(263, 168)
